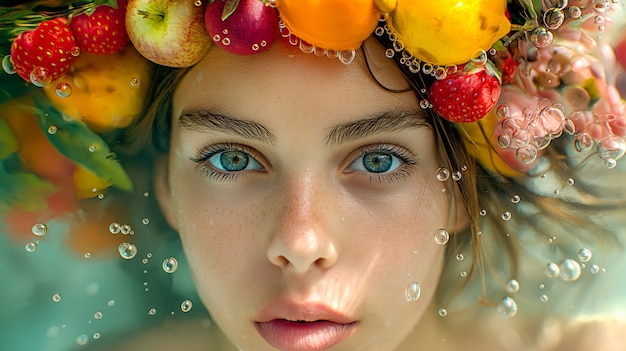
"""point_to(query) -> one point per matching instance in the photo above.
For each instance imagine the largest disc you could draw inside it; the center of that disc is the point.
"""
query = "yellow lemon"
(104, 91)
(446, 32)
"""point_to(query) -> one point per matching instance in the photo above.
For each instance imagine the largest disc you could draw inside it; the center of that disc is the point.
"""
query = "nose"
(301, 240)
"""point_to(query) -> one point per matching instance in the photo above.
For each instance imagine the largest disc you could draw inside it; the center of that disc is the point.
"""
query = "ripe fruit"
(446, 32)
(241, 27)
(42, 55)
(330, 24)
(102, 32)
(107, 92)
(465, 96)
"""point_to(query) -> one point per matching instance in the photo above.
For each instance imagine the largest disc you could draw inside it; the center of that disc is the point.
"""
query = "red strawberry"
(104, 31)
(465, 96)
(42, 55)
(241, 27)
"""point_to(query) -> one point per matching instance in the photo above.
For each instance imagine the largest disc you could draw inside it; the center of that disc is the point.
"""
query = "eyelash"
(405, 170)
(204, 154)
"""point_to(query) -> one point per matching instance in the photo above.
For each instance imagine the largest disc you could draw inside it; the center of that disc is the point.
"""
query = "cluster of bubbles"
(345, 56)
(39, 229)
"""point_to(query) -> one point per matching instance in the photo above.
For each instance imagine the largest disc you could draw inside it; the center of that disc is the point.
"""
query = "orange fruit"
(330, 24)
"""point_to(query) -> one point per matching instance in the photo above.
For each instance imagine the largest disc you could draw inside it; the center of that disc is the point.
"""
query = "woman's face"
(306, 199)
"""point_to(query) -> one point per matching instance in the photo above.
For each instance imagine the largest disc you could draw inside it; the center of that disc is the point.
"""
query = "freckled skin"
(308, 226)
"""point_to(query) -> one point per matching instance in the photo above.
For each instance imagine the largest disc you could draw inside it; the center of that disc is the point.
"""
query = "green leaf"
(229, 8)
(76, 141)
(25, 189)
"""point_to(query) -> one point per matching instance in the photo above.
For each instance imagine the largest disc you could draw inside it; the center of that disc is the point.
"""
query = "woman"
(325, 205)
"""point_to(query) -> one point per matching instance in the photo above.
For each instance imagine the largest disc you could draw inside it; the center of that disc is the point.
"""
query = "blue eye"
(376, 162)
(233, 161)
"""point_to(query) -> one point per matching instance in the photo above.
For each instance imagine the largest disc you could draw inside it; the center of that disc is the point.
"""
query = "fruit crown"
(517, 75)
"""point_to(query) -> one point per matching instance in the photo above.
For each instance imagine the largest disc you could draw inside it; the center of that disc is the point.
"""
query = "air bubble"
(97, 315)
(111, 303)
(125, 229)
(96, 336)
(63, 90)
(115, 228)
(7, 65)
(506, 216)
(575, 12)
(186, 306)
(56, 297)
(570, 270)
(170, 265)
(87, 255)
(40, 76)
(424, 104)
(541, 37)
(31, 247)
(152, 312)
(346, 56)
(543, 298)
(443, 174)
(507, 307)
(226, 41)
(463, 274)
(92, 148)
(460, 257)
(145, 220)
(413, 291)
(82, 339)
(552, 270)
(570, 181)
(457, 175)
(595, 269)
(127, 250)
(198, 3)
(515, 199)
(75, 51)
(601, 6)
(134, 82)
(442, 236)
(442, 312)
(389, 53)
(583, 142)
(553, 18)
(482, 213)
(584, 255)
(40, 229)
(512, 286)
(52, 130)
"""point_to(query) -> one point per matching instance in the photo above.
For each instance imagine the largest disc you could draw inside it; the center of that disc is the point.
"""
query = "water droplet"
(82, 339)
(40, 76)
(115, 228)
(40, 229)
(515, 199)
(541, 37)
(7, 65)
(186, 306)
(127, 250)
(506, 216)
(595, 269)
(56, 297)
(170, 265)
(457, 175)
(460, 257)
(575, 12)
(145, 220)
(584, 255)
(512, 286)
(442, 312)
(96, 336)
(125, 229)
(443, 174)
(52, 130)
(134, 82)
(413, 291)
(152, 312)
(63, 90)
(507, 307)
(553, 18)
(31, 247)
(97, 315)
(442, 236)
(552, 270)
(570, 270)
(543, 298)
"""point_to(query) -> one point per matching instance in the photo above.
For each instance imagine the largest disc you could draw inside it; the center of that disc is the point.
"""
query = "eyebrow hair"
(208, 121)
(390, 121)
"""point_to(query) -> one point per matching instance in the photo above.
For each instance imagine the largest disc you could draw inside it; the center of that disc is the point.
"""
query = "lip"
(303, 327)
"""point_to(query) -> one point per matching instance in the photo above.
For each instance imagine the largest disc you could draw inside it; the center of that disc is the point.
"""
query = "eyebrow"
(206, 121)
(390, 121)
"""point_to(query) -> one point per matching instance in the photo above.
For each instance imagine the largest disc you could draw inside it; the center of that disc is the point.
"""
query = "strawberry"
(45, 53)
(102, 32)
(466, 96)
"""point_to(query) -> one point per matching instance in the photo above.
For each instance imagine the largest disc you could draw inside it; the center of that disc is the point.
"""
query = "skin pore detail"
(305, 209)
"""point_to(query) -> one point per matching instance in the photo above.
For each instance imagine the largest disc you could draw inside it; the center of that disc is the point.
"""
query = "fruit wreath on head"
(510, 75)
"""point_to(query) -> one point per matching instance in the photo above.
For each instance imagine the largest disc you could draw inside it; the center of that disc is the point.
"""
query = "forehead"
(285, 78)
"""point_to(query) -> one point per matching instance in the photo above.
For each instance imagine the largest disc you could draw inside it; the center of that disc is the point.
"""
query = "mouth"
(297, 327)
(319, 335)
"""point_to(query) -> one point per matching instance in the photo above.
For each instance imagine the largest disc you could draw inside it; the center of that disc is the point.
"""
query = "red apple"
(168, 32)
